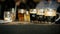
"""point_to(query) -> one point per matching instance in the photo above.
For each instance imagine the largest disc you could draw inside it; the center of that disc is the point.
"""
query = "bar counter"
(29, 28)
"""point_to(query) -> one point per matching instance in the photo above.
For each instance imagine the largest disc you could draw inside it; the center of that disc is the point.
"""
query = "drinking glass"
(40, 16)
(50, 14)
(21, 14)
(7, 16)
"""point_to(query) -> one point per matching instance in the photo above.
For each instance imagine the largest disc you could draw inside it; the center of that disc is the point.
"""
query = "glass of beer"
(50, 15)
(7, 16)
(33, 17)
(21, 14)
(27, 16)
(40, 16)
(13, 14)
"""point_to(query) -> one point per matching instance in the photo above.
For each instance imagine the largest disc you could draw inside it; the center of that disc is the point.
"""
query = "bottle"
(27, 16)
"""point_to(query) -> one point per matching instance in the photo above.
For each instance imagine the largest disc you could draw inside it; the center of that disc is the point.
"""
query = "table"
(30, 29)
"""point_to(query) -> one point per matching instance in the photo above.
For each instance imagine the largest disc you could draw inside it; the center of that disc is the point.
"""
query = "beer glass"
(50, 14)
(40, 16)
(7, 16)
(13, 14)
(33, 17)
(27, 16)
(21, 14)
